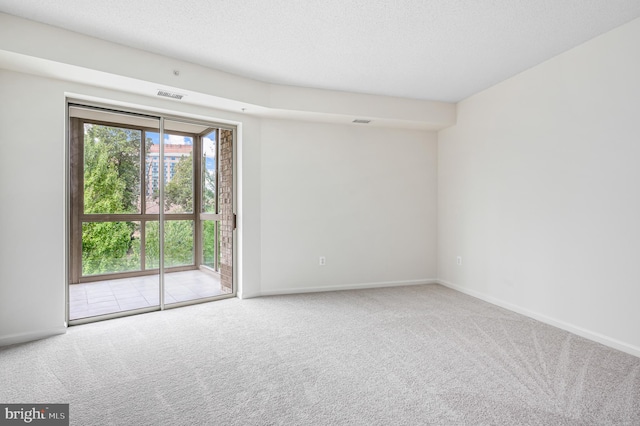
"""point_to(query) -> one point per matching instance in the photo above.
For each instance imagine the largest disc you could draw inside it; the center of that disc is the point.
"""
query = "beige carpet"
(395, 356)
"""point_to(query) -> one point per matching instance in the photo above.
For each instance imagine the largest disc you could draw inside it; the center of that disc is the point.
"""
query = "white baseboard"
(587, 334)
(295, 290)
(247, 294)
(29, 336)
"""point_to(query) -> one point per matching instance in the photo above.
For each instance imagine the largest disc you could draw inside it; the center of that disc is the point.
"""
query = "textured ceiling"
(441, 50)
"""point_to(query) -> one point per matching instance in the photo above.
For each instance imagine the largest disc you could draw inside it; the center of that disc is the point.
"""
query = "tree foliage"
(109, 247)
(178, 243)
(112, 169)
(111, 185)
(208, 242)
(208, 189)
(179, 190)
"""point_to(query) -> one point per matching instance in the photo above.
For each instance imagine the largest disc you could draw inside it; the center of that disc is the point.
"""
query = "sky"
(170, 139)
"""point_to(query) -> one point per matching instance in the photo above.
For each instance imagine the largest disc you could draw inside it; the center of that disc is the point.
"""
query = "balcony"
(126, 294)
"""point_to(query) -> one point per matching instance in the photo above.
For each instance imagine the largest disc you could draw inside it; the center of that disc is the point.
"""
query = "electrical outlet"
(322, 261)
(459, 260)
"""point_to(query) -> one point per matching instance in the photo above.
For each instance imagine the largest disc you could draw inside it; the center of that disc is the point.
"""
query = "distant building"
(172, 154)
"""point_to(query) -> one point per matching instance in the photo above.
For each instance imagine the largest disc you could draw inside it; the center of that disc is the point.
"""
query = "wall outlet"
(322, 261)
(459, 260)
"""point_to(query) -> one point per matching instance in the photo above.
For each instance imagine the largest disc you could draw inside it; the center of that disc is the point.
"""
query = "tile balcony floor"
(125, 294)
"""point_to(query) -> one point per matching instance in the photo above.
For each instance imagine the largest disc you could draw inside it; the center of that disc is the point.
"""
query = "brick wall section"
(225, 201)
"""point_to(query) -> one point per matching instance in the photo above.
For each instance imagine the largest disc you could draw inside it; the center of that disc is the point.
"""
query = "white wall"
(32, 207)
(32, 190)
(363, 197)
(539, 191)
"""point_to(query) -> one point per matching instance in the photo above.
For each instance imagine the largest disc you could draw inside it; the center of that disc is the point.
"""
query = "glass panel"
(111, 169)
(209, 172)
(122, 174)
(151, 172)
(208, 243)
(113, 147)
(109, 247)
(178, 162)
(178, 243)
(152, 245)
(219, 229)
(178, 173)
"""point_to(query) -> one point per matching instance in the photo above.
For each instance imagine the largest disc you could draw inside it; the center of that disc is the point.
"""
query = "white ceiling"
(442, 50)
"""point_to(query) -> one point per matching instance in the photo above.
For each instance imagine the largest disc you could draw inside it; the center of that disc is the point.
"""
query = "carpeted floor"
(393, 356)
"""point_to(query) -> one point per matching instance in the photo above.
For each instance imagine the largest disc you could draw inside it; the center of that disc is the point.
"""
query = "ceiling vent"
(170, 95)
(361, 121)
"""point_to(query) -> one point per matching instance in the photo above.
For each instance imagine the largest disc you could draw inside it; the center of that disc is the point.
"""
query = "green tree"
(179, 190)
(111, 185)
(109, 247)
(208, 189)
(178, 243)
(115, 153)
(208, 242)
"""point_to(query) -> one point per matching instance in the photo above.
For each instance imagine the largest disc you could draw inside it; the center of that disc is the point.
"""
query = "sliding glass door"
(145, 226)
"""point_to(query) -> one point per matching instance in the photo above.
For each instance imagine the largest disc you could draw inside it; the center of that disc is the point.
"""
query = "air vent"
(360, 121)
(170, 95)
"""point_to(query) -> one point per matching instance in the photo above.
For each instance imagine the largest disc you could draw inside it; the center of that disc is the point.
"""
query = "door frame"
(69, 181)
